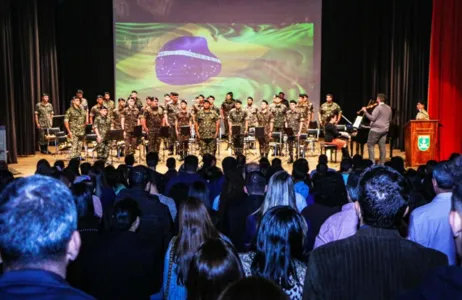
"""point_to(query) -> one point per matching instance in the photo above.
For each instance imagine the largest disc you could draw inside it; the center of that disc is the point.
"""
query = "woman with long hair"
(199, 190)
(279, 250)
(214, 266)
(196, 227)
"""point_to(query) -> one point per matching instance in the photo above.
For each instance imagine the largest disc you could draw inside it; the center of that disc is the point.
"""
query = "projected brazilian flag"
(213, 59)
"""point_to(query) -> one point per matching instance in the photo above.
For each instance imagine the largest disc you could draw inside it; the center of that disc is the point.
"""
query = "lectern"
(421, 142)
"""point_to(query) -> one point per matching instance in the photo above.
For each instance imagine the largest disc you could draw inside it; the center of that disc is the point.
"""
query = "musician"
(226, 107)
(265, 119)
(422, 114)
(43, 120)
(148, 104)
(380, 124)
(306, 109)
(109, 103)
(212, 104)
(329, 107)
(117, 114)
(279, 114)
(152, 119)
(333, 136)
(95, 110)
(129, 119)
(238, 117)
(199, 105)
(283, 99)
(101, 126)
(74, 121)
(138, 102)
(183, 118)
(294, 120)
(83, 102)
(167, 100)
(171, 110)
(251, 111)
(207, 125)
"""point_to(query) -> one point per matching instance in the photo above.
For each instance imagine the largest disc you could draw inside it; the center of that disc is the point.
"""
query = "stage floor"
(26, 165)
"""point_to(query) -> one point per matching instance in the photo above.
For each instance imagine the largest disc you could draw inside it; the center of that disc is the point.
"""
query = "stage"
(26, 165)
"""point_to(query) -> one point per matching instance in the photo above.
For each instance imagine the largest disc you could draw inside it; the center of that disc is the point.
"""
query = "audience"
(171, 172)
(253, 288)
(299, 174)
(199, 190)
(279, 250)
(376, 262)
(189, 175)
(152, 159)
(153, 190)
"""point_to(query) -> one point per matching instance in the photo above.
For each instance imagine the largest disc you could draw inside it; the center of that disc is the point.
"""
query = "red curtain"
(445, 78)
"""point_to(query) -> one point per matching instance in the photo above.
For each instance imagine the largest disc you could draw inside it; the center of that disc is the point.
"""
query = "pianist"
(333, 136)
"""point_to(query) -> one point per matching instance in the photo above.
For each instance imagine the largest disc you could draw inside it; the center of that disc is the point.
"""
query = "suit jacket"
(374, 263)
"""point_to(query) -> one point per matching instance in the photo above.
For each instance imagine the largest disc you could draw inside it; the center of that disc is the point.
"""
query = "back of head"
(346, 165)
(280, 240)
(252, 167)
(228, 164)
(255, 183)
(253, 288)
(322, 159)
(179, 192)
(443, 176)
(352, 185)
(125, 214)
(208, 160)
(383, 196)
(214, 266)
(59, 164)
(6, 177)
(357, 158)
(280, 192)
(300, 169)
(37, 220)
(43, 168)
(364, 164)
(199, 190)
(397, 163)
(152, 159)
(129, 160)
(85, 168)
(276, 162)
(191, 162)
(73, 166)
(241, 160)
(83, 198)
(171, 163)
(138, 176)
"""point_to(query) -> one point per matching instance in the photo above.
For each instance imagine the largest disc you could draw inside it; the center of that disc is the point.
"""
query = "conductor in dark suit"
(376, 262)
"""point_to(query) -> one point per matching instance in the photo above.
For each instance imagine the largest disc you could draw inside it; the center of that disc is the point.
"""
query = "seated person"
(333, 136)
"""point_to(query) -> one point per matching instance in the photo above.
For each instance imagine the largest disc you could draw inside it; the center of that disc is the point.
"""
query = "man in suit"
(376, 262)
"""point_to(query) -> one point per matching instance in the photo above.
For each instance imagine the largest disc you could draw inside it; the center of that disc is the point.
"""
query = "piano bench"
(333, 150)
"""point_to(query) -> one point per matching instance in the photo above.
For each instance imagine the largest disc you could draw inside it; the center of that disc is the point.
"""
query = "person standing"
(306, 109)
(129, 119)
(183, 118)
(294, 120)
(207, 126)
(83, 102)
(109, 103)
(265, 120)
(74, 121)
(101, 126)
(43, 120)
(328, 108)
(138, 102)
(422, 114)
(95, 110)
(380, 123)
(238, 117)
(279, 116)
(152, 120)
(226, 107)
(251, 111)
(117, 114)
(172, 109)
(212, 104)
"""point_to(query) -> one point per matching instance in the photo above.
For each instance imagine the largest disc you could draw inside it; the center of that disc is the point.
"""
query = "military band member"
(305, 107)
(183, 118)
(101, 126)
(238, 117)
(74, 121)
(328, 108)
(265, 120)
(148, 104)
(279, 115)
(172, 109)
(294, 120)
(43, 120)
(94, 112)
(213, 107)
(138, 102)
(284, 101)
(117, 114)
(199, 105)
(251, 111)
(226, 107)
(152, 120)
(83, 103)
(422, 114)
(129, 119)
(109, 103)
(167, 100)
(207, 125)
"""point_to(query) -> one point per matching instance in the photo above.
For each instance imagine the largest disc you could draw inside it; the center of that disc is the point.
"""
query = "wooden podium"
(421, 142)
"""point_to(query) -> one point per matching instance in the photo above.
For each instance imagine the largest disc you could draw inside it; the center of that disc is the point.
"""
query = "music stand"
(358, 121)
(115, 135)
(88, 128)
(164, 132)
(236, 130)
(185, 130)
(138, 131)
(259, 132)
(289, 131)
(58, 121)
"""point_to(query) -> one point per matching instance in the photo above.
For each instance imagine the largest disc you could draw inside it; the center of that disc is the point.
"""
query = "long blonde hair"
(280, 192)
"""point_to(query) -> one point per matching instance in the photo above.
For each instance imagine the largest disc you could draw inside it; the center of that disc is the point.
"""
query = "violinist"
(380, 124)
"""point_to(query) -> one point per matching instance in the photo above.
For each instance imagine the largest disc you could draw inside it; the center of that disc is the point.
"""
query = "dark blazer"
(37, 284)
(373, 264)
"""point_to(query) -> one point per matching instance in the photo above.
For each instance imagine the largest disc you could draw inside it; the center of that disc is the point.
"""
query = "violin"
(368, 107)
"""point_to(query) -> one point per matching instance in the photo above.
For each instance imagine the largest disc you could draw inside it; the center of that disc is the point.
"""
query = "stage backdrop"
(252, 48)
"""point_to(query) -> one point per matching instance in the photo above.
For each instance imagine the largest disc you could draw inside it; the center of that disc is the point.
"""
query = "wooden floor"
(26, 165)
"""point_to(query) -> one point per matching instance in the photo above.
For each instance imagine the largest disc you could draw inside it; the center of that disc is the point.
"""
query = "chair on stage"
(332, 148)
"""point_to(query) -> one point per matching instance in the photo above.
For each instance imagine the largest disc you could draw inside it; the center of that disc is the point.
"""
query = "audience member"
(299, 174)
(356, 160)
(397, 163)
(212, 175)
(264, 165)
(214, 266)
(171, 166)
(376, 262)
(189, 175)
(43, 168)
(59, 165)
(279, 251)
(276, 166)
(73, 166)
(129, 160)
(152, 159)
(253, 288)
(153, 190)
(6, 177)
(322, 160)
(429, 224)
(3, 166)
(38, 239)
(199, 190)
(346, 166)
(85, 168)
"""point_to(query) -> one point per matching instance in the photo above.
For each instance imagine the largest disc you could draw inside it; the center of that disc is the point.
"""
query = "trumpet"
(368, 107)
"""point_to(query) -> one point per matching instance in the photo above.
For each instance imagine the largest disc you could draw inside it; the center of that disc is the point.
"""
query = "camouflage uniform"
(238, 117)
(293, 119)
(207, 124)
(327, 109)
(279, 116)
(196, 108)
(252, 115)
(44, 113)
(305, 109)
(226, 106)
(154, 118)
(116, 119)
(183, 118)
(130, 116)
(422, 115)
(215, 109)
(138, 104)
(172, 110)
(95, 111)
(76, 118)
(265, 119)
(103, 124)
(83, 103)
(110, 107)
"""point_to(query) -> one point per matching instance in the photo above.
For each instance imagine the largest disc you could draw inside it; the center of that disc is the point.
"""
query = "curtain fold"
(445, 80)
